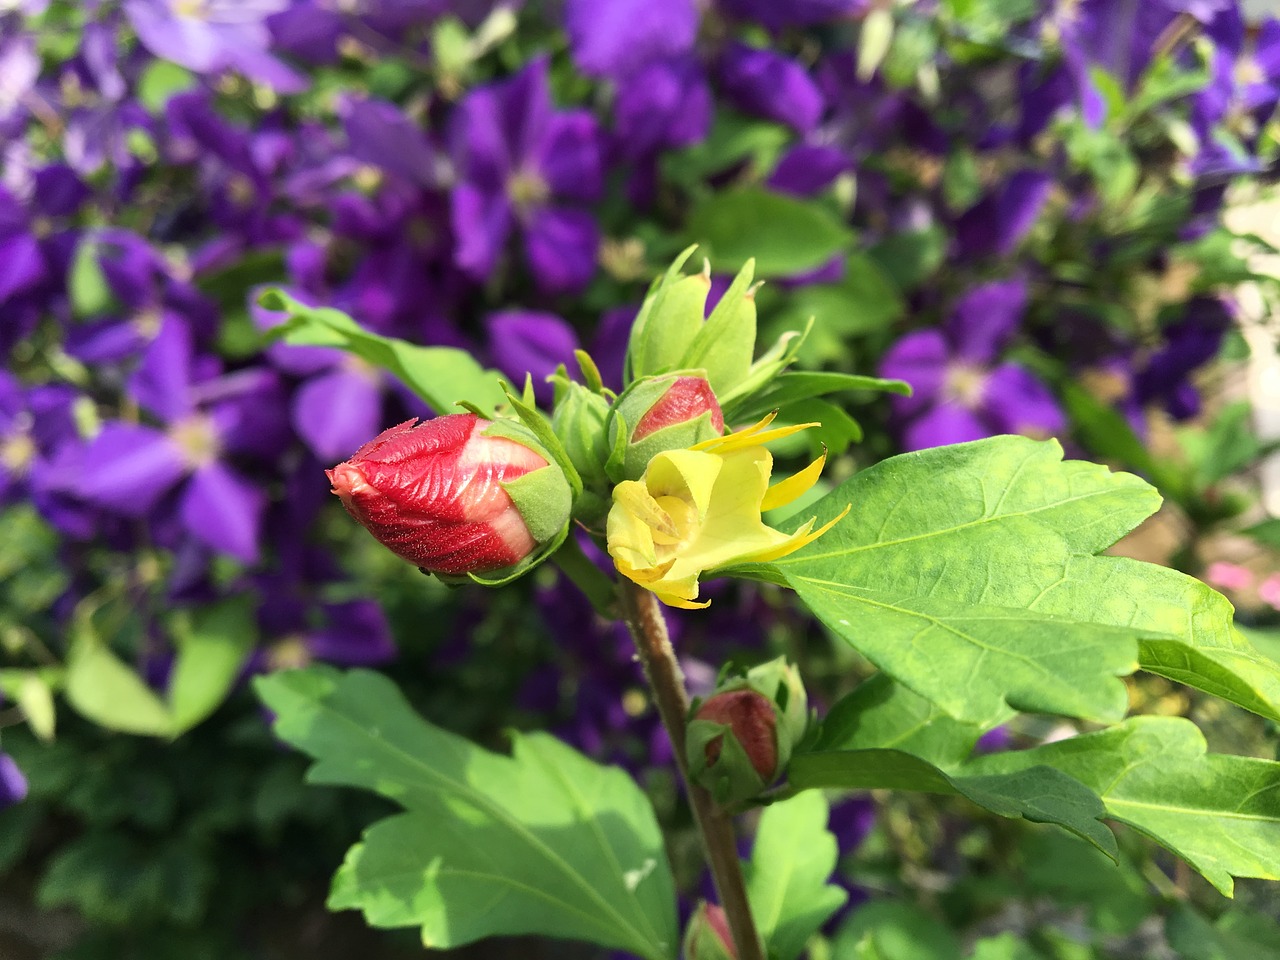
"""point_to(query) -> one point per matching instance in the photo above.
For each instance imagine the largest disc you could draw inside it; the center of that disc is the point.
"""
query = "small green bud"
(707, 936)
(664, 413)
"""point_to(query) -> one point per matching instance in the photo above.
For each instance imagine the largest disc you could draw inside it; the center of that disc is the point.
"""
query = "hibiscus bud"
(741, 737)
(663, 413)
(668, 321)
(579, 421)
(456, 495)
(707, 936)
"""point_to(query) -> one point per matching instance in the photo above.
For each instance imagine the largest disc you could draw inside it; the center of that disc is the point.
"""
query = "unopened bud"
(664, 413)
(455, 495)
(707, 937)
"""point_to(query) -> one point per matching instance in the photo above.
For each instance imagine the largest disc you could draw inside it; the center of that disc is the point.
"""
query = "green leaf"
(212, 645)
(100, 687)
(881, 714)
(1235, 935)
(1267, 532)
(161, 80)
(1056, 864)
(894, 930)
(1219, 813)
(441, 376)
(1041, 794)
(35, 697)
(86, 283)
(541, 842)
(937, 573)
(968, 574)
(791, 387)
(909, 259)
(785, 235)
(1003, 947)
(792, 859)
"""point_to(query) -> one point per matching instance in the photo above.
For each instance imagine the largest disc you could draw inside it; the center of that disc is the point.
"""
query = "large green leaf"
(784, 235)
(791, 861)
(881, 714)
(212, 645)
(1041, 794)
(1219, 813)
(540, 842)
(441, 376)
(968, 574)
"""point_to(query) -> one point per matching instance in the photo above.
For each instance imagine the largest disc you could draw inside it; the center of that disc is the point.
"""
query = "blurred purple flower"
(615, 38)
(380, 134)
(960, 392)
(770, 85)
(528, 342)
(128, 468)
(1001, 220)
(522, 163)
(13, 783)
(665, 103)
(793, 13)
(209, 36)
(1189, 344)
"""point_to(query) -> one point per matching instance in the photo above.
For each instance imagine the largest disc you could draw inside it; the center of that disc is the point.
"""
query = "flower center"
(198, 440)
(289, 654)
(16, 454)
(683, 526)
(965, 384)
(527, 189)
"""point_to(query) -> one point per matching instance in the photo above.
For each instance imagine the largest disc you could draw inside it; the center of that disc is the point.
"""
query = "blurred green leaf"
(1219, 813)
(911, 258)
(1041, 794)
(160, 80)
(733, 139)
(1058, 865)
(793, 858)
(894, 930)
(785, 235)
(212, 644)
(542, 842)
(1236, 935)
(441, 376)
(86, 284)
(1267, 532)
(1004, 947)
(99, 686)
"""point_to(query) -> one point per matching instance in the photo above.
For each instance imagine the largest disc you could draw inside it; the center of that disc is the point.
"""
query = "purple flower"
(129, 468)
(1190, 343)
(13, 784)
(380, 134)
(614, 38)
(960, 392)
(524, 165)
(209, 36)
(762, 82)
(665, 103)
(1000, 221)
(527, 342)
(793, 13)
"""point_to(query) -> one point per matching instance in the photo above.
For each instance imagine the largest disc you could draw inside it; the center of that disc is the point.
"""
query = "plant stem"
(643, 616)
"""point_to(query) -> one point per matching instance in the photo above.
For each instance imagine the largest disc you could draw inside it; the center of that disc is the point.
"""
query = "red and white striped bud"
(664, 413)
(455, 495)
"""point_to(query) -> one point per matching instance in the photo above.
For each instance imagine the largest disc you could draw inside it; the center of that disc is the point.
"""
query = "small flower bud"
(740, 738)
(579, 421)
(456, 495)
(707, 936)
(664, 413)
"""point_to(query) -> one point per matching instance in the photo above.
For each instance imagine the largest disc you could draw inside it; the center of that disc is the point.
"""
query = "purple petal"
(806, 169)
(614, 38)
(920, 359)
(13, 784)
(128, 468)
(162, 383)
(357, 635)
(478, 142)
(337, 412)
(1019, 206)
(770, 85)
(986, 317)
(1017, 402)
(529, 342)
(23, 264)
(944, 424)
(379, 133)
(224, 510)
(526, 109)
(663, 104)
(481, 223)
(561, 246)
(570, 156)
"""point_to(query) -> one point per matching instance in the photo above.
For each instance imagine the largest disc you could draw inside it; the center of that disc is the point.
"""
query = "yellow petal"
(634, 498)
(674, 601)
(801, 538)
(686, 474)
(785, 491)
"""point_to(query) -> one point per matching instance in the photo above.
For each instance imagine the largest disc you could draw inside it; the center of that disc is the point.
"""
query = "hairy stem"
(643, 616)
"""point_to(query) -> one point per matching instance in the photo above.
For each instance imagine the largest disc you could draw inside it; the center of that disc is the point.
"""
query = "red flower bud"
(708, 936)
(435, 494)
(753, 721)
(686, 399)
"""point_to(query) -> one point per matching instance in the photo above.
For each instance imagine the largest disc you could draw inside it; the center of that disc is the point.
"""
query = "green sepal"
(733, 779)
(534, 419)
(701, 941)
(668, 320)
(777, 358)
(591, 373)
(613, 467)
(580, 422)
(498, 578)
(726, 342)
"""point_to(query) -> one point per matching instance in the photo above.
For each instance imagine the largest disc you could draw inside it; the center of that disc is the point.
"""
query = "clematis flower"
(523, 163)
(697, 511)
(960, 392)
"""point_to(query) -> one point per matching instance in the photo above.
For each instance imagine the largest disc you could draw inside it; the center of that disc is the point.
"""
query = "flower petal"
(796, 485)
(224, 510)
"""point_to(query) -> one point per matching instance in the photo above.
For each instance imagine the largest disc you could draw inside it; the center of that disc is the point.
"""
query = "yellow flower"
(697, 511)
